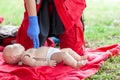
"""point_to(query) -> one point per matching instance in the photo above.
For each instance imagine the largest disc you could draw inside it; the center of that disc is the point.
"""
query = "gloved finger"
(36, 42)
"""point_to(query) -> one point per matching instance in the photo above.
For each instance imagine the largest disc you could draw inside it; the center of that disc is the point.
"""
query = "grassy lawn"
(12, 11)
(102, 27)
(102, 22)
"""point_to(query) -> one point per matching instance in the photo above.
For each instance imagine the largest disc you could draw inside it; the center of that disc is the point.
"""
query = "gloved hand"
(34, 30)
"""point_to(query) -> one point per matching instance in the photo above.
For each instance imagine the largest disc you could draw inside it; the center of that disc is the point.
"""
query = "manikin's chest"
(37, 53)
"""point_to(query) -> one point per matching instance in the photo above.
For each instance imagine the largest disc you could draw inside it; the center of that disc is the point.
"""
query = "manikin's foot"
(81, 63)
(83, 57)
(52, 63)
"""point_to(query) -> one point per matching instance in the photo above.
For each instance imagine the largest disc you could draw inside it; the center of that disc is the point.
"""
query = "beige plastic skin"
(13, 54)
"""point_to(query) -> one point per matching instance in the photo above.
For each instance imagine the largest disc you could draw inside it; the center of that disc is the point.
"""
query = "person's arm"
(31, 7)
(33, 28)
(27, 60)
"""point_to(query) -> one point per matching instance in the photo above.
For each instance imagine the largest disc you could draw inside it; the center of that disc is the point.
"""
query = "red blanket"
(96, 57)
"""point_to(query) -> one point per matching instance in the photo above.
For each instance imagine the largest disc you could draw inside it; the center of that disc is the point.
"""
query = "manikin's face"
(12, 53)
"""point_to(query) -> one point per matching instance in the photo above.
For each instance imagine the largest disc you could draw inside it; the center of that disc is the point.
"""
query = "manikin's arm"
(37, 62)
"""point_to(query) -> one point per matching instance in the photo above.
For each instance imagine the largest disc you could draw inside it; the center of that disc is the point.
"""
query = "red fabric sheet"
(96, 58)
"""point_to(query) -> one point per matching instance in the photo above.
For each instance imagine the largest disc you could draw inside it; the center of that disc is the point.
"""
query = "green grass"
(102, 22)
(102, 12)
(12, 11)
(102, 27)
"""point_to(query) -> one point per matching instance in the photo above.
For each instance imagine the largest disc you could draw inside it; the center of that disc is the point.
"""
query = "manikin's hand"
(52, 63)
(34, 30)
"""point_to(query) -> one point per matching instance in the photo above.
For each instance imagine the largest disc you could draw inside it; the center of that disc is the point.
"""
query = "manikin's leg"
(66, 58)
(74, 54)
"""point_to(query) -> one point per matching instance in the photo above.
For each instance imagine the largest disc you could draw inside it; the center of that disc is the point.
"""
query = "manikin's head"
(12, 53)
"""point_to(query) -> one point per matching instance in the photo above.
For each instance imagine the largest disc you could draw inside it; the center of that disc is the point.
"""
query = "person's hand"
(34, 30)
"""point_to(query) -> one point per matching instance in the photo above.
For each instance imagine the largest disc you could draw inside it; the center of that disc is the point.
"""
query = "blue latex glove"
(33, 30)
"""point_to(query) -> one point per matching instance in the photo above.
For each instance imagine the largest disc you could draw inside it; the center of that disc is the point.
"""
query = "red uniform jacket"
(70, 12)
